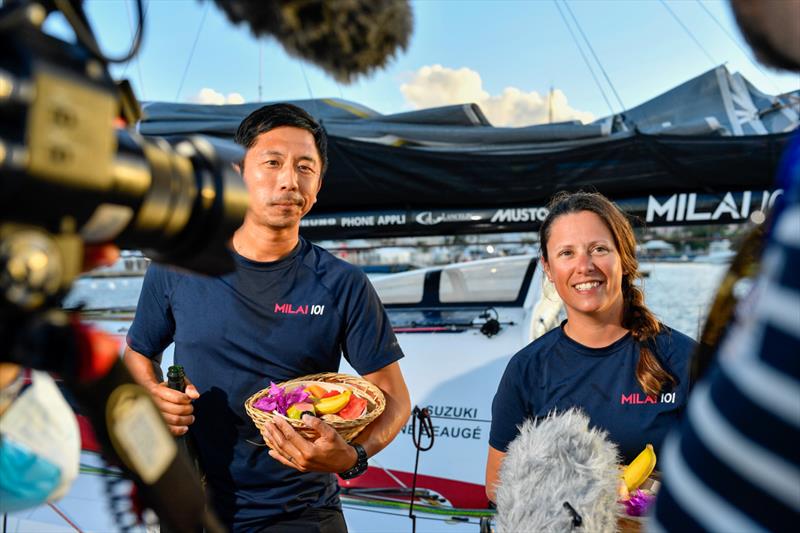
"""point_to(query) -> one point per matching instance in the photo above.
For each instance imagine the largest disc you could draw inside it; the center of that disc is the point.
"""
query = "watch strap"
(361, 463)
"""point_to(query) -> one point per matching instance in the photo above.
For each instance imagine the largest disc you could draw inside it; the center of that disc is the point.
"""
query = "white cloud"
(435, 85)
(210, 96)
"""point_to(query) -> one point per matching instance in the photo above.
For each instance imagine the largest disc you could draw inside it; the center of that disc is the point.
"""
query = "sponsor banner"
(676, 209)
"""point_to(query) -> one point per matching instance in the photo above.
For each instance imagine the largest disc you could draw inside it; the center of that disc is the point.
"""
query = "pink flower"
(277, 399)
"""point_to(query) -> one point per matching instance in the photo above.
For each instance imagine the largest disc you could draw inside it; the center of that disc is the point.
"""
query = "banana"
(640, 468)
(334, 404)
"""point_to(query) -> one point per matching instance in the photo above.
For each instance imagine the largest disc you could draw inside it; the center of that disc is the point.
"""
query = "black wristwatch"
(360, 466)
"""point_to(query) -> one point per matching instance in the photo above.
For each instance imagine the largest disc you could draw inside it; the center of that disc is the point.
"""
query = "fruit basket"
(330, 381)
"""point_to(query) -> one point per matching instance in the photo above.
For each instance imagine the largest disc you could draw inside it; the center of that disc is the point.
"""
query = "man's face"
(282, 175)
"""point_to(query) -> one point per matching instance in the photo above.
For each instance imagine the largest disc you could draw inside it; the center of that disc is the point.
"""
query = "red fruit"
(353, 409)
(331, 393)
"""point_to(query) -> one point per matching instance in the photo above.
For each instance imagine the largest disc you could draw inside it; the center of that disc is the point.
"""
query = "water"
(678, 293)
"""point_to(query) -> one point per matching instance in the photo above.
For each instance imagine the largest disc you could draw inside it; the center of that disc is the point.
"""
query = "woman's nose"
(585, 262)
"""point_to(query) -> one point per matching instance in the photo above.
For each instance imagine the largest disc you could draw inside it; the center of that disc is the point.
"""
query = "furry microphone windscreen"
(345, 38)
(556, 460)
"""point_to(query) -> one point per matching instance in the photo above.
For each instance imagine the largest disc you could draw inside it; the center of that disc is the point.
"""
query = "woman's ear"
(546, 269)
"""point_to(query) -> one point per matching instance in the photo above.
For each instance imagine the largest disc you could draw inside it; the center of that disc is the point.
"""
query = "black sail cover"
(448, 171)
(662, 180)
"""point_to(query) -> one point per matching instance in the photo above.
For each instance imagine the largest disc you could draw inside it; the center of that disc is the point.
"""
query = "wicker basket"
(348, 429)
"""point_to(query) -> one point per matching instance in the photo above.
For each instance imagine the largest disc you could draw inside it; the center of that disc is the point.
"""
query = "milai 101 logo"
(684, 207)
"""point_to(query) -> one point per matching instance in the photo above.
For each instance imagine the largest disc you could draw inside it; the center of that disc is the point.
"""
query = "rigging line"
(739, 46)
(689, 32)
(583, 55)
(138, 59)
(310, 93)
(591, 49)
(191, 53)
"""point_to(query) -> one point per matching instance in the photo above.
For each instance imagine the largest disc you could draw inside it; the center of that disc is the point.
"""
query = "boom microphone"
(558, 475)
(345, 38)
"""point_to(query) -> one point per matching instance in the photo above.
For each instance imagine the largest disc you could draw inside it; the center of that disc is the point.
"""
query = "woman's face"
(585, 266)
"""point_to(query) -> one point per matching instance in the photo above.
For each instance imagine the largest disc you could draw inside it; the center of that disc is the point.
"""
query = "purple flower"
(277, 399)
(638, 503)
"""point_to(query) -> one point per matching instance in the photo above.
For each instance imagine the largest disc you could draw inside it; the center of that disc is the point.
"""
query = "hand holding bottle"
(175, 404)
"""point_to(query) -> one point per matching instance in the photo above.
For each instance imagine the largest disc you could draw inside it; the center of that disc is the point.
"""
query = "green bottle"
(176, 378)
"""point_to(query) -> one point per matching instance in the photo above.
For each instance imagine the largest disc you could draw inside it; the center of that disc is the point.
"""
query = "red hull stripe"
(459, 493)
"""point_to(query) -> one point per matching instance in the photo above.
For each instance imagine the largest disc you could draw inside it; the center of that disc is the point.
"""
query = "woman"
(611, 357)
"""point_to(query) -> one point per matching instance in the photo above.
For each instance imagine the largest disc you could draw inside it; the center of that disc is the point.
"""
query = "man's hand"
(175, 406)
(327, 453)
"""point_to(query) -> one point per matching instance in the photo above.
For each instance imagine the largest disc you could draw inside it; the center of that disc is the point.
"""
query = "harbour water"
(680, 294)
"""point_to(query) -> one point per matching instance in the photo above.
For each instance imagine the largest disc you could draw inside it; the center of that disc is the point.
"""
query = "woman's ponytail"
(644, 327)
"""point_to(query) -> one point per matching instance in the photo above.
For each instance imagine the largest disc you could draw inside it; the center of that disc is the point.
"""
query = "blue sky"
(504, 54)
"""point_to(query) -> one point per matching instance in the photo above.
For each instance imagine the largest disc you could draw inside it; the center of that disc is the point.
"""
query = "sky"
(516, 59)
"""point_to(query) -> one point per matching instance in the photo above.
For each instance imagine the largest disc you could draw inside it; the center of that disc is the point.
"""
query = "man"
(735, 464)
(289, 309)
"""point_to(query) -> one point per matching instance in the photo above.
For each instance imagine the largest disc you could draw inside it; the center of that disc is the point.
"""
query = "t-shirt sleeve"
(509, 407)
(153, 325)
(369, 342)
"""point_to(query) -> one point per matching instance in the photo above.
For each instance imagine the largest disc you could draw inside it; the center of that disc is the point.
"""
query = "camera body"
(72, 173)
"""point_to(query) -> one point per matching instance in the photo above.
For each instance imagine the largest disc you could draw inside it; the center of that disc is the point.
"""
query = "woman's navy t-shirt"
(555, 373)
(237, 332)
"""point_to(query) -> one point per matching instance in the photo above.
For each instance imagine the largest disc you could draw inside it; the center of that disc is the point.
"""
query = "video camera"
(74, 172)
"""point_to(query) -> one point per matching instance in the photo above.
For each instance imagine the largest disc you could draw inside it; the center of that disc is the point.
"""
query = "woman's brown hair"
(636, 317)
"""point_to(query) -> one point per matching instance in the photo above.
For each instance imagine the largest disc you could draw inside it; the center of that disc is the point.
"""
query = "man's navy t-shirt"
(555, 372)
(237, 332)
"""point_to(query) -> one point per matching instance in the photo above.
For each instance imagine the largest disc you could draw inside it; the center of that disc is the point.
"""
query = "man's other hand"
(327, 453)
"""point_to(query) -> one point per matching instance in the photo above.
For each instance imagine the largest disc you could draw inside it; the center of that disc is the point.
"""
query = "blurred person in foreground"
(40, 442)
(735, 463)
(237, 332)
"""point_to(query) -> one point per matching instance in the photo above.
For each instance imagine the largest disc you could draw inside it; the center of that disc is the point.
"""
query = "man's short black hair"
(274, 116)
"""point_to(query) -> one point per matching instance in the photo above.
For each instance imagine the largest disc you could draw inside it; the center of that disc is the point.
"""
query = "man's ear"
(237, 167)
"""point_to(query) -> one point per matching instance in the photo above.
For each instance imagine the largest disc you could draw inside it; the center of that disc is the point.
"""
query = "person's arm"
(493, 462)
(330, 452)
(509, 410)
(385, 428)
(175, 406)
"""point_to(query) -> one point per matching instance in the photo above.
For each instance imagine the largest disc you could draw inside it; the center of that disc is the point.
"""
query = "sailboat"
(702, 152)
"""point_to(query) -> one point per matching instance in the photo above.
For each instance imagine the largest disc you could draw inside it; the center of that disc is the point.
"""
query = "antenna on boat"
(260, 70)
